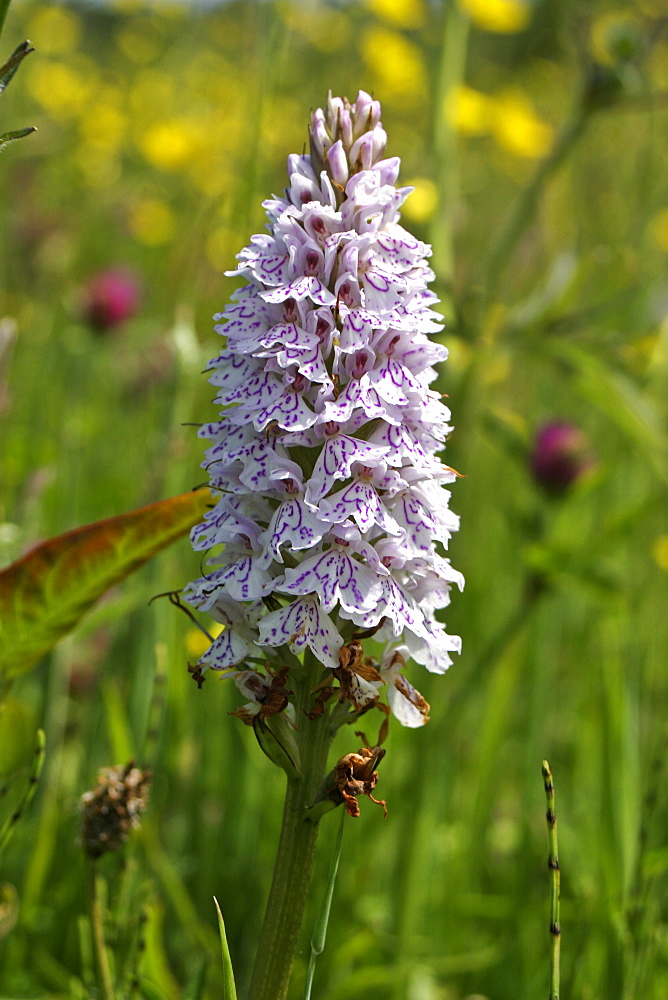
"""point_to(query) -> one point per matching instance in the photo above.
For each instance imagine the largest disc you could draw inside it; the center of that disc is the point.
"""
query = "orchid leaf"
(10, 67)
(18, 133)
(45, 592)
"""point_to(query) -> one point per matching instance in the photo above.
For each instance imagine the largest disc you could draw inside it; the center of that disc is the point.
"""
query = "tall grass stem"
(555, 878)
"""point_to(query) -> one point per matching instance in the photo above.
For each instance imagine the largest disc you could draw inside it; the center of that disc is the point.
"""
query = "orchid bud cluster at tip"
(333, 515)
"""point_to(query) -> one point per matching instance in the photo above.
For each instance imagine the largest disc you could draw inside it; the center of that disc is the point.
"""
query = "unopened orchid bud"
(367, 113)
(337, 164)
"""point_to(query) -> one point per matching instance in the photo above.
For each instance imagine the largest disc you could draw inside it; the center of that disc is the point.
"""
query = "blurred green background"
(535, 135)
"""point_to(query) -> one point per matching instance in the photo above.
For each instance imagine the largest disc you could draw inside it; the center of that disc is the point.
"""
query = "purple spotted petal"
(303, 623)
(335, 577)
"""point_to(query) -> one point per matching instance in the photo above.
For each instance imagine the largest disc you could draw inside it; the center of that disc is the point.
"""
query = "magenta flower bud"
(560, 456)
(110, 298)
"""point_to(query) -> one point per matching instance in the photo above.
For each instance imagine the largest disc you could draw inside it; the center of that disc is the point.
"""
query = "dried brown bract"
(354, 775)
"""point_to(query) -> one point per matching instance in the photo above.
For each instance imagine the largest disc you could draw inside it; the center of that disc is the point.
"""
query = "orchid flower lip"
(333, 512)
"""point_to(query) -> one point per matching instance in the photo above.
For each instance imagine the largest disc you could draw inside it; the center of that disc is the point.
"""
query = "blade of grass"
(320, 930)
(229, 989)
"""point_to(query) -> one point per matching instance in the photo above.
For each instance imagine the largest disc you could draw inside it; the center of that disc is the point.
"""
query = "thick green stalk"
(296, 848)
(553, 865)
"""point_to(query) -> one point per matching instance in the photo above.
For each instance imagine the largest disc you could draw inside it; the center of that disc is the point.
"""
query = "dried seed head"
(113, 807)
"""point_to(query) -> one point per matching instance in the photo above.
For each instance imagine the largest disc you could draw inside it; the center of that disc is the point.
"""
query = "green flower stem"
(502, 247)
(296, 848)
(555, 879)
(105, 983)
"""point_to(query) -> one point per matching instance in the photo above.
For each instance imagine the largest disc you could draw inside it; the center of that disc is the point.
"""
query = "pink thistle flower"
(333, 516)
(560, 456)
(110, 298)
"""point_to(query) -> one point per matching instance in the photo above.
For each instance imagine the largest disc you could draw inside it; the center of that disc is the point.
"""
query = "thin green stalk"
(452, 66)
(105, 982)
(296, 848)
(555, 878)
(320, 930)
(503, 246)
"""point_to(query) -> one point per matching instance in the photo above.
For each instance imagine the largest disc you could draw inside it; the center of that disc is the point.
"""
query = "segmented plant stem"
(555, 878)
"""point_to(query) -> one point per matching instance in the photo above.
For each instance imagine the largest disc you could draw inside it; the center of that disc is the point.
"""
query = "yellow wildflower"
(62, 90)
(152, 222)
(168, 144)
(55, 31)
(396, 64)
(137, 41)
(660, 552)
(326, 29)
(608, 30)
(503, 16)
(422, 203)
(468, 110)
(197, 643)
(402, 13)
(659, 229)
(517, 127)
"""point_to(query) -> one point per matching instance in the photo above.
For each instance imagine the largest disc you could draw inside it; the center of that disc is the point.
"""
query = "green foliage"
(161, 128)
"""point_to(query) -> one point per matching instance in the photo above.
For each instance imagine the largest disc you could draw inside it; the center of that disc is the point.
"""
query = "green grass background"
(564, 613)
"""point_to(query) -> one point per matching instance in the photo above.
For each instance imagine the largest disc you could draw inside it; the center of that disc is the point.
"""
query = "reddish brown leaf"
(45, 592)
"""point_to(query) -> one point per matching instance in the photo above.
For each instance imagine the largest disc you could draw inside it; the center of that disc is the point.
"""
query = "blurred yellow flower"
(396, 64)
(509, 116)
(106, 126)
(607, 31)
(517, 127)
(659, 229)
(403, 13)
(660, 552)
(151, 89)
(138, 41)
(54, 31)
(468, 110)
(152, 222)
(197, 643)
(422, 203)
(99, 166)
(62, 90)
(325, 28)
(502, 16)
(168, 144)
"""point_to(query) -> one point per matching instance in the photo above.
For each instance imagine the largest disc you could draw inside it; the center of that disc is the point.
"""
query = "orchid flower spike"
(333, 515)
